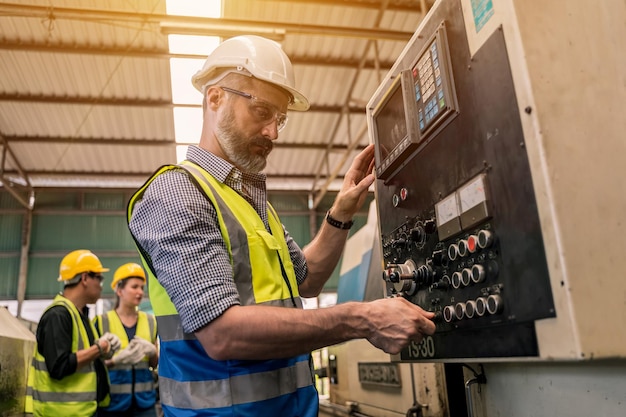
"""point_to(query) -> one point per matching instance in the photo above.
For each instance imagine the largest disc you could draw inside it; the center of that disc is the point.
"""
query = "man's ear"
(214, 96)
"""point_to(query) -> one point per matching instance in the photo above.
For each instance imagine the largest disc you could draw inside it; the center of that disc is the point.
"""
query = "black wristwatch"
(336, 223)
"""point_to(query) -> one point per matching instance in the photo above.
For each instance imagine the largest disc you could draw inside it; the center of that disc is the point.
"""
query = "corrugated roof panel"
(61, 85)
(326, 85)
(40, 119)
(309, 128)
(85, 75)
(129, 122)
(81, 157)
(144, 6)
(72, 120)
(288, 162)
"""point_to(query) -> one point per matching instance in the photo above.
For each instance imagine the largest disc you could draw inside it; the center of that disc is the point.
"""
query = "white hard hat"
(251, 55)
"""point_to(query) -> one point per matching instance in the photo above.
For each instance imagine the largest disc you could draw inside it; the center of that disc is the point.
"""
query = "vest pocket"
(268, 239)
(267, 281)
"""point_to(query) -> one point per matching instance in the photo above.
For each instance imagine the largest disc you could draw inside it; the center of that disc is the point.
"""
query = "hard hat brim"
(300, 102)
(98, 270)
(202, 79)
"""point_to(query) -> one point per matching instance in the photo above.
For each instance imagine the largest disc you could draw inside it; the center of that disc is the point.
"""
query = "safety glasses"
(95, 275)
(263, 111)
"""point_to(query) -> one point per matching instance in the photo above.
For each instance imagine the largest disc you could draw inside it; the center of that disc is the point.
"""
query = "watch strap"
(338, 224)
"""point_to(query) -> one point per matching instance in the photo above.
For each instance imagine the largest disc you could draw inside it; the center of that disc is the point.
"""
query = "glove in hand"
(113, 340)
(131, 355)
(113, 345)
(147, 348)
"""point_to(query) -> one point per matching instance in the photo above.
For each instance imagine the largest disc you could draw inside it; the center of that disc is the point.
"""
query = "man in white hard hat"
(226, 278)
(67, 376)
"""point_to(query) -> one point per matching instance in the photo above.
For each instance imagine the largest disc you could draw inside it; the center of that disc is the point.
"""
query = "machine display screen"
(418, 103)
(391, 123)
(395, 124)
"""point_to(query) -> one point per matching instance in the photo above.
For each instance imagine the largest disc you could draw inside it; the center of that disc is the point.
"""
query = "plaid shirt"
(178, 231)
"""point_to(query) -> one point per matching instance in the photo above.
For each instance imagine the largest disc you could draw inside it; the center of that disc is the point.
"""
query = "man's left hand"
(356, 183)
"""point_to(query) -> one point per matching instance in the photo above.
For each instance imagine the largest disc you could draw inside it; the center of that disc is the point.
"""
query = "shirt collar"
(221, 169)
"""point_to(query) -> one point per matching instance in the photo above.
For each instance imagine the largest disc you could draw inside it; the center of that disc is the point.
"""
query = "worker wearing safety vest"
(67, 376)
(225, 277)
(130, 369)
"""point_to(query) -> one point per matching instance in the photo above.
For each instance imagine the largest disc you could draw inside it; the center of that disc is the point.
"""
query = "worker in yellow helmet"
(132, 385)
(68, 376)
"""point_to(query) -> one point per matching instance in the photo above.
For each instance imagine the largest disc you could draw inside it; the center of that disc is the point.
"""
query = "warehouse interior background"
(95, 96)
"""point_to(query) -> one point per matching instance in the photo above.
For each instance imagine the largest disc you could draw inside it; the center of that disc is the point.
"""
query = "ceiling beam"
(153, 142)
(199, 25)
(19, 185)
(138, 102)
(104, 101)
(394, 5)
(139, 175)
(135, 52)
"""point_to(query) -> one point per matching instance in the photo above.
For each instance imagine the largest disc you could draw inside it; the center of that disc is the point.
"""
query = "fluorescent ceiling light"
(199, 8)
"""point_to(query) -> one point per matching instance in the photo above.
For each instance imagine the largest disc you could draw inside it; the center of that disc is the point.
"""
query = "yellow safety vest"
(74, 395)
(263, 274)
(128, 381)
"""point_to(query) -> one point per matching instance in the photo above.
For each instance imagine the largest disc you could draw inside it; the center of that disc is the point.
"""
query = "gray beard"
(237, 148)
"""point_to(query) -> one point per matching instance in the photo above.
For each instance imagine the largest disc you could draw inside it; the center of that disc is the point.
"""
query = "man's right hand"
(112, 344)
(395, 323)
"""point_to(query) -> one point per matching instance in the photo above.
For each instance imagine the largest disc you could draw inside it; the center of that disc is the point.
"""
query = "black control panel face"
(460, 231)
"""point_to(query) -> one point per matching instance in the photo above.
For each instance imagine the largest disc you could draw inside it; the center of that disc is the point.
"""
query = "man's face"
(93, 286)
(245, 139)
(247, 153)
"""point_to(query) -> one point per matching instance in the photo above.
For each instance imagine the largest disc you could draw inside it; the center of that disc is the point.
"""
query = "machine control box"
(459, 224)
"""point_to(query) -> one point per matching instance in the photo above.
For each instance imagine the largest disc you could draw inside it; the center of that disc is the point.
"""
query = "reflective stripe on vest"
(128, 381)
(75, 394)
(188, 378)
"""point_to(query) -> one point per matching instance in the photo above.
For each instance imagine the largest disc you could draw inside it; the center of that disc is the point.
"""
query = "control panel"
(460, 230)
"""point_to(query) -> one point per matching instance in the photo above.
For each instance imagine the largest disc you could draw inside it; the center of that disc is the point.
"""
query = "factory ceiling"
(89, 94)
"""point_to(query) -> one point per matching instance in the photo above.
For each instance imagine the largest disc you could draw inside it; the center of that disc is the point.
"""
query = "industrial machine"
(483, 219)
(500, 195)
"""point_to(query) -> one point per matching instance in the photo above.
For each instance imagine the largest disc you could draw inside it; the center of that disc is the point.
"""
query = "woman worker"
(132, 385)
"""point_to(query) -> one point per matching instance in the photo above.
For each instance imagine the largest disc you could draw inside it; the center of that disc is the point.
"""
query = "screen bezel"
(385, 167)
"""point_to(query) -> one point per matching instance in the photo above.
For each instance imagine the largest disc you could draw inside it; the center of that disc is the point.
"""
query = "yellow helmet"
(129, 270)
(77, 262)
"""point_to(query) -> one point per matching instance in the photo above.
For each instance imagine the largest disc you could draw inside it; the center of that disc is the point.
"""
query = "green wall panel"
(9, 202)
(42, 277)
(44, 271)
(104, 201)
(80, 231)
(9, 271)
(10, 232)
(288, 202)
(298, 228)
(67, 220)
(56, 200)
